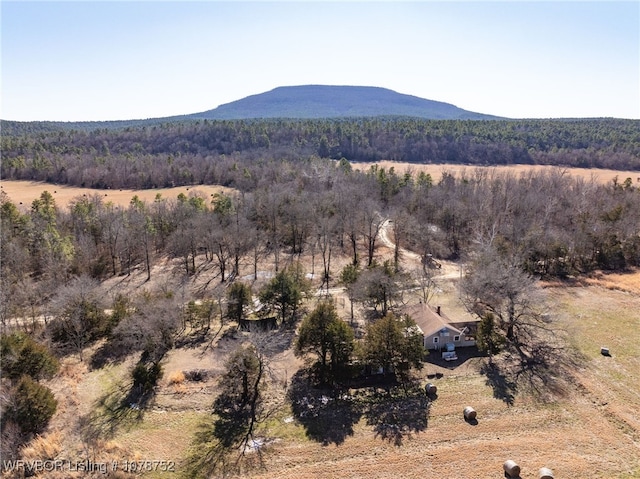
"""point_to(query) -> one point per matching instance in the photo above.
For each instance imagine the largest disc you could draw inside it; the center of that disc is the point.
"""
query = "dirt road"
(411, 260)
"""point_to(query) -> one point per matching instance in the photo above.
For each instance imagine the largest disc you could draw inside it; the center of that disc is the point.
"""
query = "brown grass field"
(598, 175)
(24, 192)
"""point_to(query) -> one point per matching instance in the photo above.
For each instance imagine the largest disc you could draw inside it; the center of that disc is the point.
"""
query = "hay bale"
(469, 413)
(545, 473)
(430, 389)
(511, 469)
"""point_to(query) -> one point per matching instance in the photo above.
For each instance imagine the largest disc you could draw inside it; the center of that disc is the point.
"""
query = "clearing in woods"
(23, 193)
(435, 170)
(589, 429)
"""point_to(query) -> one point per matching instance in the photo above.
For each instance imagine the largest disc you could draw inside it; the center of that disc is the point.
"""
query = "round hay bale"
(511, 468)
(469, 413)
(430, 389)
(545, 473)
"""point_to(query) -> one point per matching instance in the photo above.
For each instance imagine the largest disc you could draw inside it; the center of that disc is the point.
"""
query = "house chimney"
(438, 310)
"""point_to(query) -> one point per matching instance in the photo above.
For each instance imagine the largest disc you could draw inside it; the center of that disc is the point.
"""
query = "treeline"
(181, 153)
(555, 224)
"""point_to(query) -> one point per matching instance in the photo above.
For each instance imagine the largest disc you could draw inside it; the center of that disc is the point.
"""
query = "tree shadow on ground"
(545, 370)
(122, 407)
(504, 386)
(193, 339)
(464, 354)
(327, 416)
(398, 414)
(110, 352)
(541, 370)
(207, 457)
(274, 342)
(113, 411)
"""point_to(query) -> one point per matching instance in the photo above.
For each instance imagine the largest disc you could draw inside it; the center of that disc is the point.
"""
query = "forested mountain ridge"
(190, 152)
(325, 101)
(293, 102)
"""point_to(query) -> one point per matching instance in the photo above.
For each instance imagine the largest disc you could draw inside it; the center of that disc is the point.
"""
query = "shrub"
(488, 338)
(196, 375)
(146, 377)
(32, 407)
(43, 447)
(20, 355)
(176, 377)
(121, 308)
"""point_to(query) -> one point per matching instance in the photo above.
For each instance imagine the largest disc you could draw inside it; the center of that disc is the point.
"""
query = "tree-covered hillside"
(195, 152)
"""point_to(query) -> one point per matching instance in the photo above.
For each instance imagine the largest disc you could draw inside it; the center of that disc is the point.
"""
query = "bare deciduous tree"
(79, 314)
(497, 286)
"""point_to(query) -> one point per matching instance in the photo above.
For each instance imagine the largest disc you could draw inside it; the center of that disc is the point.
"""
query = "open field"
(599, 175)
(24, 192)
(590, 429)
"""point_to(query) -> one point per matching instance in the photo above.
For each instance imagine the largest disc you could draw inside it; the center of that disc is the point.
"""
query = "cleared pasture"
(22, 193)
(435, 170)
(590, 431)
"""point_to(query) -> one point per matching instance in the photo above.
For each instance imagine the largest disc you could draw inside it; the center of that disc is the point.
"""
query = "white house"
(438, 329)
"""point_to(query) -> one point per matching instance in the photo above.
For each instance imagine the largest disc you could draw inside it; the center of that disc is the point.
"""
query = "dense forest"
(229, 152)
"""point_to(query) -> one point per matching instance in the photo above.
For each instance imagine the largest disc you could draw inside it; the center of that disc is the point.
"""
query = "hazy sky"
(119, 60)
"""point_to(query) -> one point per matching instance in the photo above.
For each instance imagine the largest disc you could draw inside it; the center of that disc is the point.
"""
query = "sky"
(119, 60)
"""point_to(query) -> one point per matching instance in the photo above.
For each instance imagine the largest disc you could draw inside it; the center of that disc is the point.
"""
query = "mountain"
(294, 102)
(323, 101)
